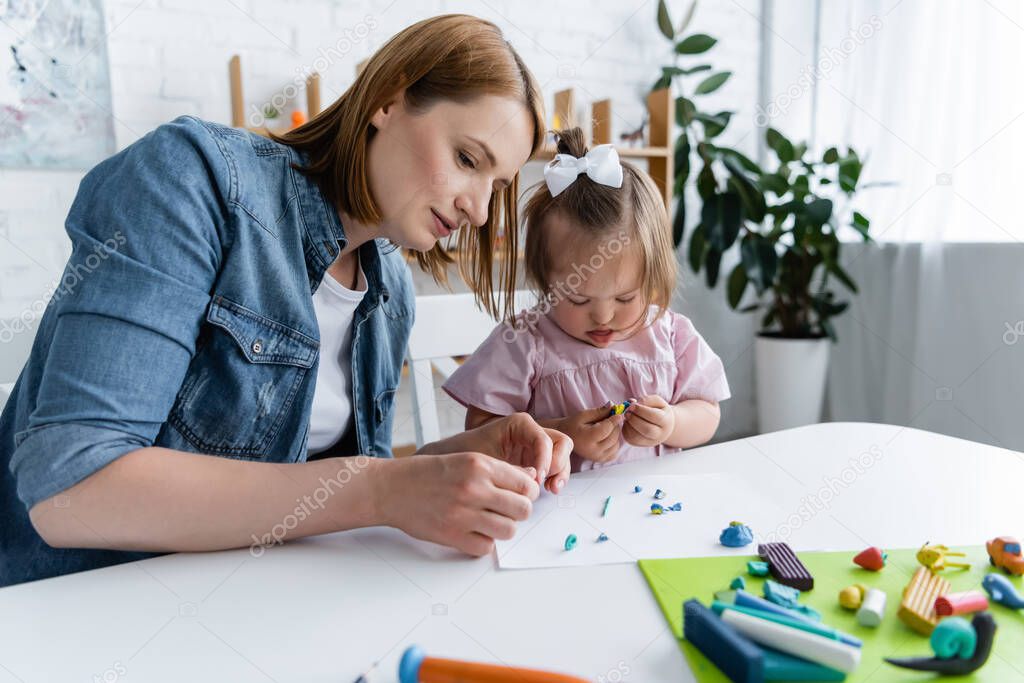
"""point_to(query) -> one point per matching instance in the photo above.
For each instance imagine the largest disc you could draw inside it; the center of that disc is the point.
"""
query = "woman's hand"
(519, 440)
(594, 433)
(649, 421)
(462, 500)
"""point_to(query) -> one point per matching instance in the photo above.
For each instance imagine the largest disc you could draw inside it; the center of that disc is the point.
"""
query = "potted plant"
(786, 228)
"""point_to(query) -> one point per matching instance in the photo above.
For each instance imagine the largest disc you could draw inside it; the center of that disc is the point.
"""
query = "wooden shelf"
(238, 98)
(657, 150)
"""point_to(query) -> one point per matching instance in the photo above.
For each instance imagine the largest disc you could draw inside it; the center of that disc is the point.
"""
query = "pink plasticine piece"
(960, 603)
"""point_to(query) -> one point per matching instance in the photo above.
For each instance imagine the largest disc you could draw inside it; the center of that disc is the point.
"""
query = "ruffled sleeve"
(699, 371)
(500, 376)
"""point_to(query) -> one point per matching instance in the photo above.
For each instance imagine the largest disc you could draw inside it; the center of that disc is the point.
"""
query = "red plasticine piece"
(785, 566)
(871, 558)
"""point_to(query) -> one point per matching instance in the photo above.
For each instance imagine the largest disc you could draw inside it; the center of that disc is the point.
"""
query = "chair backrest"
(446, 326)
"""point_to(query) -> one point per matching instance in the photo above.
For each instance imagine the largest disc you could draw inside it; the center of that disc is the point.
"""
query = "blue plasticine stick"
(738, 658)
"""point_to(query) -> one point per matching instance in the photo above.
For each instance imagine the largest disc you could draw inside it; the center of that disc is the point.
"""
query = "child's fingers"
(653, 416)
(611, 440)
(642, 426)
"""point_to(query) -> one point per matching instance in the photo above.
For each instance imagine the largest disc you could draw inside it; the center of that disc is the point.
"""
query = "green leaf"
(862, 224)
(819, 211)
(712, 262)
(712, 83)
(685, 111)
(799, 150)
(662, 83)
(743, 160)
(672, 71)
(835, 269)
(695, 69)
(782, 147)
(710, 220)
(688, 17)
(847, 183)
(682, 157)
(695, 44)
(750, 308)
(751, 196)
(829, 329)
(736, 285)
(831, 155)
(665, 22)
(679, 223)
(706, 184)
(698, 245)
(773, 182)
(731, 217)
(714, 124)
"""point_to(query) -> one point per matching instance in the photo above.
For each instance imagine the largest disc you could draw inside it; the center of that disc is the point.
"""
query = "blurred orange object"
(416, 667)
(298, 118)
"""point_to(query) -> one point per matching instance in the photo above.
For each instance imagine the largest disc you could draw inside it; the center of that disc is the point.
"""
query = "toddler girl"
(599, 253)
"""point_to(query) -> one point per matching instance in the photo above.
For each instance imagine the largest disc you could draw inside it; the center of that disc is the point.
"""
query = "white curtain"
(931, 94)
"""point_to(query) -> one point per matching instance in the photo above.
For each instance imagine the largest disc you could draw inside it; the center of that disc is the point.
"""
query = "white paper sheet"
(709, 503)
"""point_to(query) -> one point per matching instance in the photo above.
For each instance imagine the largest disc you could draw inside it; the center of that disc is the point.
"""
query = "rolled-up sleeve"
(148, 229)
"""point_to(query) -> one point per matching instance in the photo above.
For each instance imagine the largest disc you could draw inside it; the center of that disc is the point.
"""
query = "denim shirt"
(184, 319)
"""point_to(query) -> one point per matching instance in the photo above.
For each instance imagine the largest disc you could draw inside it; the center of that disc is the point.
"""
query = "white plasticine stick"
(872, 609)
(810, 646)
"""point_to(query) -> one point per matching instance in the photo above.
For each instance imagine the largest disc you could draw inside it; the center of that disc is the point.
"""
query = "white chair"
(446, 326)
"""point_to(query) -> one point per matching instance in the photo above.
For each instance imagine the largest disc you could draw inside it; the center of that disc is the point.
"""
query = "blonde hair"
(454, 57)
(600, 211)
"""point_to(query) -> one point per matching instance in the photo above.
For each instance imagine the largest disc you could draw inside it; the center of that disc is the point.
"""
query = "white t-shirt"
(335, 306)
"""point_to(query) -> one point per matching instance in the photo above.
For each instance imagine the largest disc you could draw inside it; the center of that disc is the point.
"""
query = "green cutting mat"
(674, 581)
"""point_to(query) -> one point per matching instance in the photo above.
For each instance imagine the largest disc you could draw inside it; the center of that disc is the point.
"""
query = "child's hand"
(649, 422)
(594, 433)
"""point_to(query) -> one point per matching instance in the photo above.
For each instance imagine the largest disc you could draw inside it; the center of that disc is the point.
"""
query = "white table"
(323, 609)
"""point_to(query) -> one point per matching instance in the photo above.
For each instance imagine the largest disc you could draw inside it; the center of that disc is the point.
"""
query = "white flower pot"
(790, 376)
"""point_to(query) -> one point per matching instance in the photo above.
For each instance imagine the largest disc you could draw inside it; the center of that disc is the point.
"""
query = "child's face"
(608, 303)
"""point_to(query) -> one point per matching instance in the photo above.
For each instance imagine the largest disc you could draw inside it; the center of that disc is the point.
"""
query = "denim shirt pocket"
(242, 382)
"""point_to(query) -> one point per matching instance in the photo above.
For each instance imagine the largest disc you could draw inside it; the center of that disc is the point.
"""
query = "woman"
(193, 322)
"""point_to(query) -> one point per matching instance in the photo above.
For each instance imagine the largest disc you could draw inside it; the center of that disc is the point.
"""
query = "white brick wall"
(169, 57)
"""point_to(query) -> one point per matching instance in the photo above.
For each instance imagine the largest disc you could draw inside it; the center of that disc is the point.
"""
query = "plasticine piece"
(736, 535)
(954, 637)
(726, 597)
(917, 609)
(934, 557)
(676, 507)
(602, 538)
(793, 621)
(607, 504)
(960, 603)
(778, 666)
(638, 488)
(872, 609)
(785, 566)
(744, 599)
(852, 597)
(656, 509)
(738, 583)
(619, 409)
(786, 596)
(570, 541)
(984, 627)
(757, 568)
(658, 494)
(871, 558)
(1002, 591)
(820, 649)
(738, 658)
(1005, 552)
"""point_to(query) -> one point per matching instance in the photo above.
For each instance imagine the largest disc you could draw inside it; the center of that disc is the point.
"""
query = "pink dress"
(539, 369)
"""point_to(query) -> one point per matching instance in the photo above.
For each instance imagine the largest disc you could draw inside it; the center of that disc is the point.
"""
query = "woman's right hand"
(594, 433)
(462, 500)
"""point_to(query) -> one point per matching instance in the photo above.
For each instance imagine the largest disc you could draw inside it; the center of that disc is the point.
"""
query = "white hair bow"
(601, 164)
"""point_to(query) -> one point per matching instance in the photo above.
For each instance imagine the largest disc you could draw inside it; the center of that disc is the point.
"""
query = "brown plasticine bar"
(785, 566)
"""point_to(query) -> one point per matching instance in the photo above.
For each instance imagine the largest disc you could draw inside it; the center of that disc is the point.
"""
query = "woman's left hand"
(518, 440)
(649, 421)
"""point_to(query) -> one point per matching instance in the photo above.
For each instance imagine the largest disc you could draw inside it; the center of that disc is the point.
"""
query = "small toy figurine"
(620, 408)
(960, 648)
(934, 557)
(872, 558)
(1004, 552)
(736, 535)
(1002, 591)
